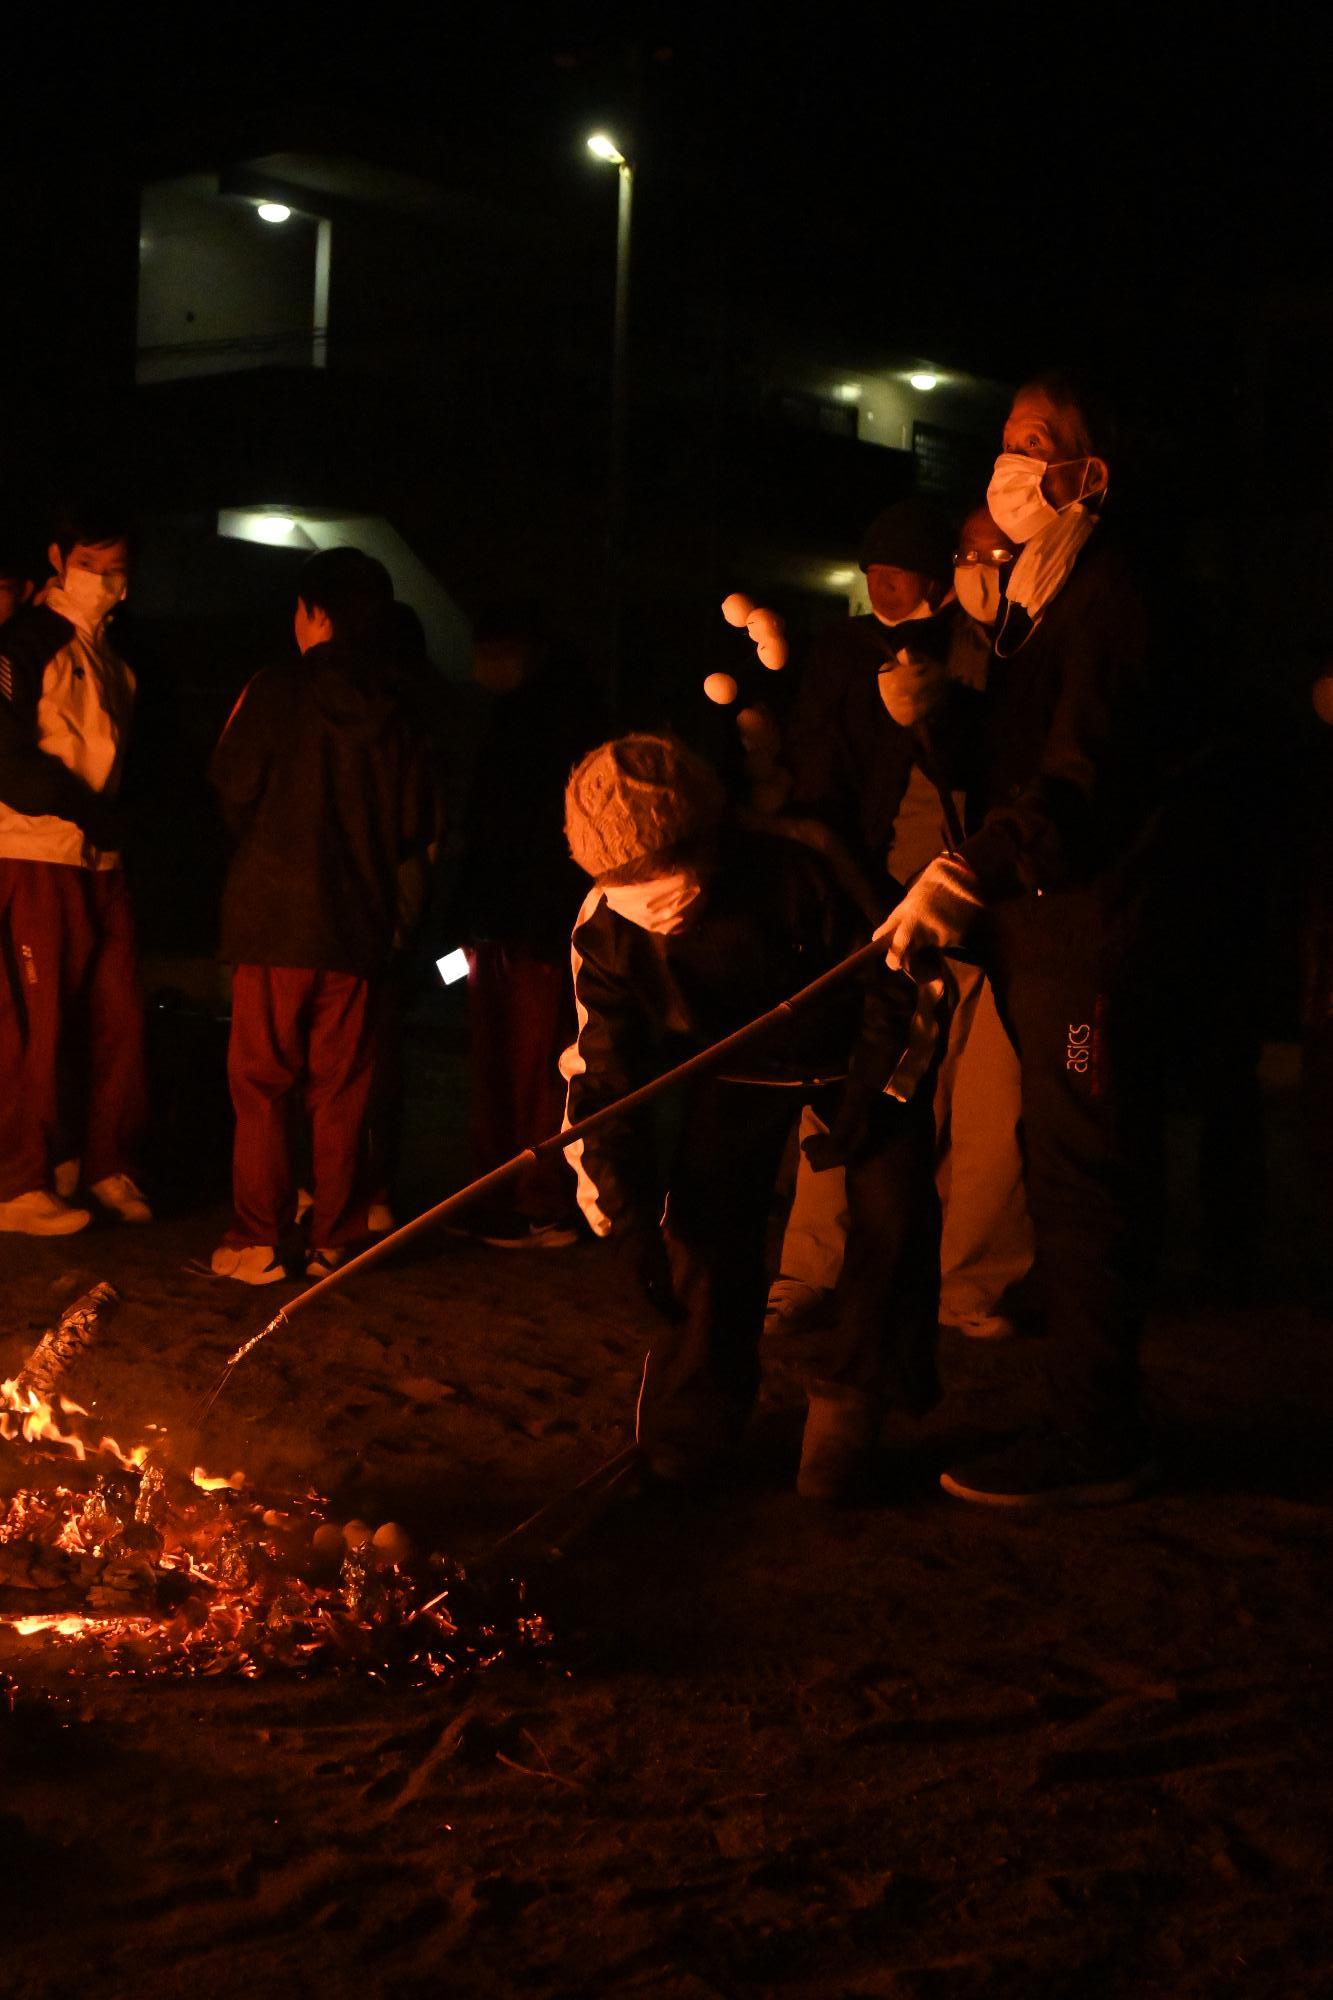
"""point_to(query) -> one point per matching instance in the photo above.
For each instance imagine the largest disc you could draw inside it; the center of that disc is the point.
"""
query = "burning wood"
(165, 1573)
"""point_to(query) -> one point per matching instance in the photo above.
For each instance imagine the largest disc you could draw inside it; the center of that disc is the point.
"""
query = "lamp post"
(603, 147)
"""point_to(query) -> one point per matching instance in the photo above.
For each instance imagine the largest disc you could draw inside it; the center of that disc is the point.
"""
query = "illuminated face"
(981, 542)
(108, 559)
(895, 593)
(1039, 428)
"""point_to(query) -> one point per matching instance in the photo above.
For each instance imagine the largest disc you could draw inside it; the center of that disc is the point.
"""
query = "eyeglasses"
(982, 558)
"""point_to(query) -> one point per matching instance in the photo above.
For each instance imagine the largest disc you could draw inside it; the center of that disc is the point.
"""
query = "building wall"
(220, 289)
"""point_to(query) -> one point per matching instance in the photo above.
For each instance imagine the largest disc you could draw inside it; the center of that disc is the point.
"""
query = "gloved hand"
(911, 689)
(937, 911)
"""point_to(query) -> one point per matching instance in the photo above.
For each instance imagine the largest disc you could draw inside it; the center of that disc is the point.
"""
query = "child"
(326, 785)
(694, 926)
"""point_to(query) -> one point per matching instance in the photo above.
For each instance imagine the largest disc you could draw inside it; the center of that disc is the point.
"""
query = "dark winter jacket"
(517, 884)
(1064, 771)
(773, 920)
(326, 786)
(851, 763)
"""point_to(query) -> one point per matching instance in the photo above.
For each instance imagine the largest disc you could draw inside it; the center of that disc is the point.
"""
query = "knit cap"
(638, 797)
(912, 534)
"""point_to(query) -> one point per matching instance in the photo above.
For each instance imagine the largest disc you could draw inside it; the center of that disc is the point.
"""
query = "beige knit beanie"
(637, 797)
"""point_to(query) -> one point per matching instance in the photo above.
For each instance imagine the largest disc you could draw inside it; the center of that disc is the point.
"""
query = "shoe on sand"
(842, 1428)
(532, 1236)
(379, 1219)
(40, 1213)
(121, 1197)
(248, 1263)
(692, 1465)
(796, 1306)
(322, 1262)
(980, 1326)
(1053, 1470)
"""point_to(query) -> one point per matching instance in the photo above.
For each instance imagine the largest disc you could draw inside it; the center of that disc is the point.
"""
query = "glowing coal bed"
(130, 1566)
(151, 1573)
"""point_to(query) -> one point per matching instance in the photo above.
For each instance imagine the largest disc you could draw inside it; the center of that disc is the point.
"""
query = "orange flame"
(25, 1415)
(67, 1624)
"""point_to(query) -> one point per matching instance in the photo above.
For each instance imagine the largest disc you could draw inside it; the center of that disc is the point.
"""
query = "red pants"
(69, 1010)
(295, 1029)
(521, 1014)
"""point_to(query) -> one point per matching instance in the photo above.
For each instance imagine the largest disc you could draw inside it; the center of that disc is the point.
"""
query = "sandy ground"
(907, 1749)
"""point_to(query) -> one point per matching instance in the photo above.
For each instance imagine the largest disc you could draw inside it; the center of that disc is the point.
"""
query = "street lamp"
(603, 147)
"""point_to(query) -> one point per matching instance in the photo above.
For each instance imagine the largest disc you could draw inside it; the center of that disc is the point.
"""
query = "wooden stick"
(696, 1065)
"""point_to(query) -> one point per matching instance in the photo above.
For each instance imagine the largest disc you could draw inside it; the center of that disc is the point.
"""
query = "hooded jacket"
(66, 698)
(326, 787)
(772, 921)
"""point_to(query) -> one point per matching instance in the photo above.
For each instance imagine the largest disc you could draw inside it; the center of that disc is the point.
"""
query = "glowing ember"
(64, 1624)
(156, 1572)
(213, 1582)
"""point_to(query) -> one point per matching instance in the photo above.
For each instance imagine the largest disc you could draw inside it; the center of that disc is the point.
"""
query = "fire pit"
(127, 1562)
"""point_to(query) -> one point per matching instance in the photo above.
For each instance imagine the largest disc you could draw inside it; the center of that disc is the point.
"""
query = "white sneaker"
(66, 1178)
(39, 1213)
(533, 1236)
(322, 1262)
(980, 1325)
(122, 1197)
(794, 1304)
(248, 1263)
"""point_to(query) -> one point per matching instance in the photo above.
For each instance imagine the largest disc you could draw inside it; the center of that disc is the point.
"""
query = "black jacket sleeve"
(32, 782)
(239, 765)
(610, 1055)
(420, 828)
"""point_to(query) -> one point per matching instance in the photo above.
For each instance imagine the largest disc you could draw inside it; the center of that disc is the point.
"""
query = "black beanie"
(912, 534)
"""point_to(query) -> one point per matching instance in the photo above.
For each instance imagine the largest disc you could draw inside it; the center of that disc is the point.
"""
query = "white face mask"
(977, 586)
(660, 904)
(93, 596)
(1017, 504)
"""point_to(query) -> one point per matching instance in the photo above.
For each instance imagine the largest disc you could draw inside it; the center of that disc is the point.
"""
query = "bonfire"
(122, 1556)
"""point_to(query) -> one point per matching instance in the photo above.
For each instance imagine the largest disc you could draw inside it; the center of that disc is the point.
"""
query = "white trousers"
(986, 1244)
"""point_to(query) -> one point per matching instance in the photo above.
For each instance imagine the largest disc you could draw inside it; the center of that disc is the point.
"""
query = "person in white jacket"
(69, 999)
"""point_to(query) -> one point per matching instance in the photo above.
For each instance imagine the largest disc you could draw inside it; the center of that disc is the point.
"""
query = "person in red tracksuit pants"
(517, 894)
(324, 781)
(69, 993)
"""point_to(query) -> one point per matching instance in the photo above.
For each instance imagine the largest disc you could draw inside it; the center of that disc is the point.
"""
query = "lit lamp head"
(603, 147)
(273, 211)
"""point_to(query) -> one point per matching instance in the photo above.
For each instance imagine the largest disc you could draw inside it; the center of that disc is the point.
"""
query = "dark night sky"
(992, 191)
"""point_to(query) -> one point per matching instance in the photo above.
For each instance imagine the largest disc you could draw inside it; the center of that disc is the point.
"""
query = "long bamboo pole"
(707, 1059)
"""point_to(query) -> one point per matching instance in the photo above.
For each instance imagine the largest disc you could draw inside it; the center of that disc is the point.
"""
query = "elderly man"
(1048, 886)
